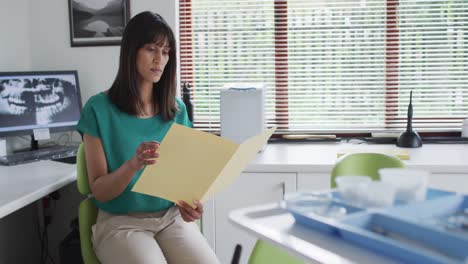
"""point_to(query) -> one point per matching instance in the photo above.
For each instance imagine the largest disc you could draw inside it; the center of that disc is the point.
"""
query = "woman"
(121, 129)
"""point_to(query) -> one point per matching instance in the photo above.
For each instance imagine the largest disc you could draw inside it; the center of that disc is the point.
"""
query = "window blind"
(330, 66)
(433, 62)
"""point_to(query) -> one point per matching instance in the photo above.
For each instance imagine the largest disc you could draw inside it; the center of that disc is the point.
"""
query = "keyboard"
(49, 153)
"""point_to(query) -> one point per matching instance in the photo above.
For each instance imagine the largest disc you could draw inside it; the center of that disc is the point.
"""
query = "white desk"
(302, 157)
(26, 183)
(273, 224)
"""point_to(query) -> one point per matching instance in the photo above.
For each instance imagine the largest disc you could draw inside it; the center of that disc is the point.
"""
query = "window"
(331, 66)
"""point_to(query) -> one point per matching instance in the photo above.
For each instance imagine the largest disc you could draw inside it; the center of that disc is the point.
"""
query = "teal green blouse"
(121, 134)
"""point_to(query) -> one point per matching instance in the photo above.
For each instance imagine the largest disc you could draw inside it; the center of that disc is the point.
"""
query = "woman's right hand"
(146, 154)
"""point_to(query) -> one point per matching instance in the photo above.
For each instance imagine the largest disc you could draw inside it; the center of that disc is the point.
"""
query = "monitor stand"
(34, 146)
(34, 143)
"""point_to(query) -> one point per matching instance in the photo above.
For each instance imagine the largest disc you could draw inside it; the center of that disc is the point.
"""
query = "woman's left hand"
(188, 213)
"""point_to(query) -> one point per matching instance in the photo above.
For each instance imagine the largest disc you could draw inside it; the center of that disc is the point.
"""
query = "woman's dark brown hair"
(144, 28)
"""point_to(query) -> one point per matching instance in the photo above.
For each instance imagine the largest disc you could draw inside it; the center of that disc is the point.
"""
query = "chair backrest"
(265, 253)
(87, 212)
(364, 164)
(81, 172)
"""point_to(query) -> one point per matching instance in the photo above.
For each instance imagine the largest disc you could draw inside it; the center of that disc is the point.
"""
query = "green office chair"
(265, 253)
(364, 164)
(87, 212)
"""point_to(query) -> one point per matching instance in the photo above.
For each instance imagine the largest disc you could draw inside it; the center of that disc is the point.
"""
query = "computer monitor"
(34, 100)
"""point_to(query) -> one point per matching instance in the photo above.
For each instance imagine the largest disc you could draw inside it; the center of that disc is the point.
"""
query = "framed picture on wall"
(97, 22)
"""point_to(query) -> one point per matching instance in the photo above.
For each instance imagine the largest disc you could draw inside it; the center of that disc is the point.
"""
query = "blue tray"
(448, 214)
(431, 194)
(321, 210)
(403, 240)
(412, 233)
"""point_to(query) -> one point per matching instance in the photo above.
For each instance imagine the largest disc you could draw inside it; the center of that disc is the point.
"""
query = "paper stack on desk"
(194, 165)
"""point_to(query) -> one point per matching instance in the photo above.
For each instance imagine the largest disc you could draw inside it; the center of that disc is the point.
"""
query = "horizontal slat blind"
(433, 62)
(231, 41)
(331, 66)
(337, 55)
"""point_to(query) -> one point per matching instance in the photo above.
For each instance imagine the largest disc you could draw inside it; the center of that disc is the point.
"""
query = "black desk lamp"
(409, 138)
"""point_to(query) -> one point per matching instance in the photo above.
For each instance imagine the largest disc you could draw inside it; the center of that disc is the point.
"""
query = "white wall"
(15, 56)
(50, 43)
(34, 35)
(14, 35)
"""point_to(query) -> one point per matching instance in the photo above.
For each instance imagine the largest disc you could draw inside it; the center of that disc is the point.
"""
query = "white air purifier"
(242, 111)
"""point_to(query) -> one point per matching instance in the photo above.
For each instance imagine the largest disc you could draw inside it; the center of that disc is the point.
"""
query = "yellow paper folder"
(194, 165)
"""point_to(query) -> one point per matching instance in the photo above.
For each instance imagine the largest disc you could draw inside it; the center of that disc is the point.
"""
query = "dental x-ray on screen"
(30, 100)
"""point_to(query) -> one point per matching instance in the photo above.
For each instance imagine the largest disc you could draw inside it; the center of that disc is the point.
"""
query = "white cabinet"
(249, 189)
(313, 181)
(450, 182)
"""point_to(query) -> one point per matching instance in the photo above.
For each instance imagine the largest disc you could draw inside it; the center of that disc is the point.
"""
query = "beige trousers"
(147, 238)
